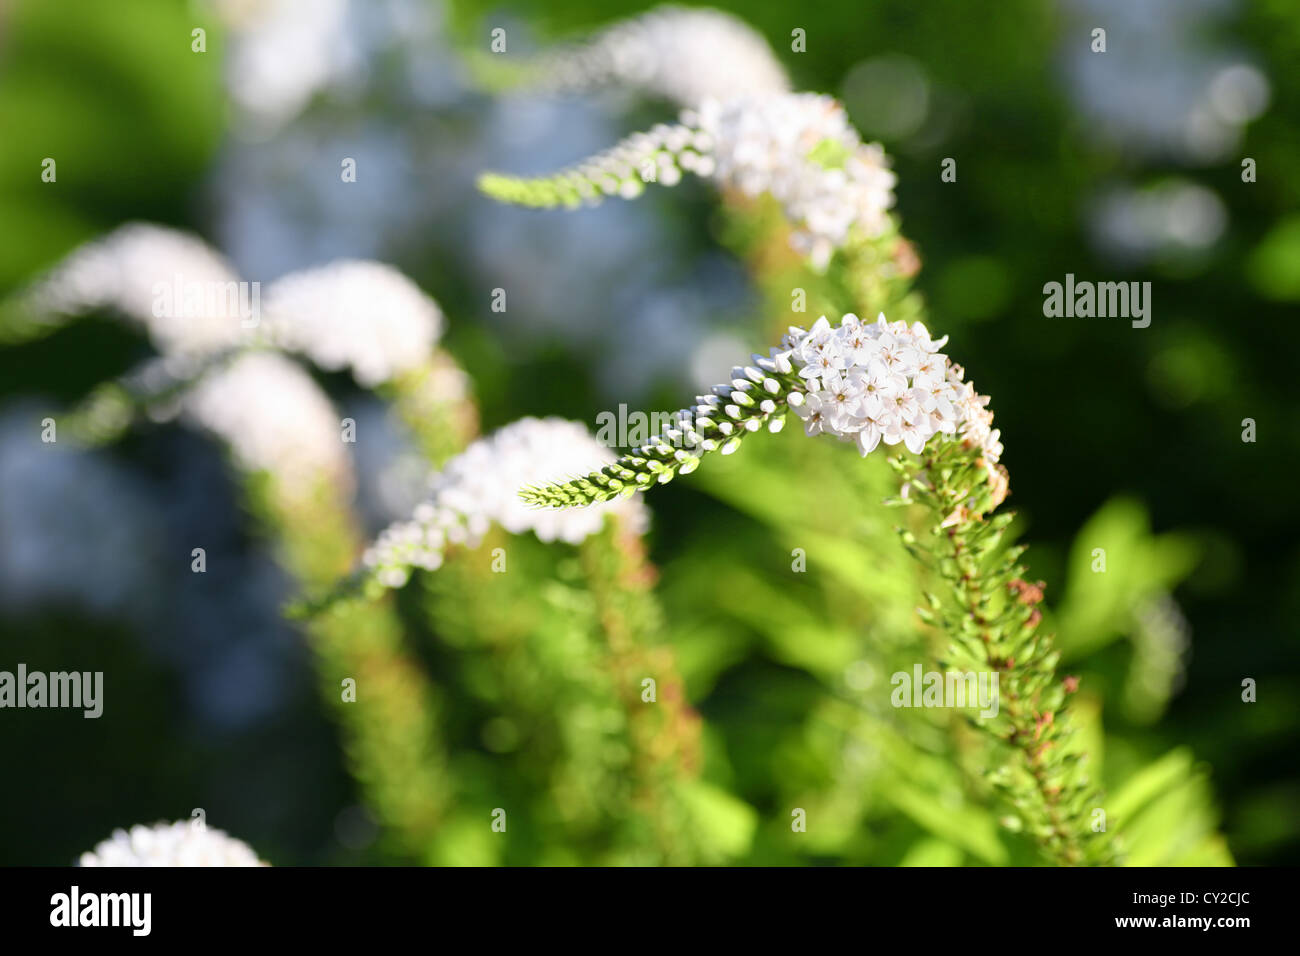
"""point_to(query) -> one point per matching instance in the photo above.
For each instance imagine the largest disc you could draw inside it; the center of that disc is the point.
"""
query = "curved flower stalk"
(799, 148)
(889, 384)
(869, 383)
(183, 843)
(274, 419)
(353, 314)
(285, 441)
(680, 54)
(370, 319)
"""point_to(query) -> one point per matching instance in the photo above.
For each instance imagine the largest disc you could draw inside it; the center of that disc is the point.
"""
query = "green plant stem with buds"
(757, 397)
(990, 616)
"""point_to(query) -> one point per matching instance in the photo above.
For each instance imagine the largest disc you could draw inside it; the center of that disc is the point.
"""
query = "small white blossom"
(184, 843)
(809, 408)
(281, 53)
(358, 314)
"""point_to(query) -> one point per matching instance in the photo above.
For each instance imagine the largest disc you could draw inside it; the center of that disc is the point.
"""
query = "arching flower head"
(869, 383)
(799, 148)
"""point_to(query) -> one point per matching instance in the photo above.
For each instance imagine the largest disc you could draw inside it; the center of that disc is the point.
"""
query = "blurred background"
(1118, 166)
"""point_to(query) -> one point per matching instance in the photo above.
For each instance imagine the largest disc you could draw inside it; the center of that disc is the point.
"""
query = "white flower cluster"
(801, 149)
(358, 314)
(353, 313)
(480, 487)
(684, 55)
(273, 417)
(184, 843)
(126, 271)
(873, 382)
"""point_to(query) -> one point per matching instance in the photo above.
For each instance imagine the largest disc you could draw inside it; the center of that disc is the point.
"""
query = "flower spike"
(869, 383)
(798, 148)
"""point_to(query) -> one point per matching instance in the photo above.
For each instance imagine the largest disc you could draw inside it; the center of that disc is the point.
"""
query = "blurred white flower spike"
(183, 843)
(356, 314)
(683, 55)
(799, 148)
(479, 488)
(128, 271)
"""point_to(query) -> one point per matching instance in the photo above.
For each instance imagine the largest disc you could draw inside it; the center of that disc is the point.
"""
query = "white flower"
(354, 314)
(274, 418)
(136, 272)
(480, 488)
(184, 843)
(885, 382)
(801, 149)
(358, 314)
(810, 409)
(683, 55)
(798, 148)
(875, 420)
(841, 401)
(914, 433)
